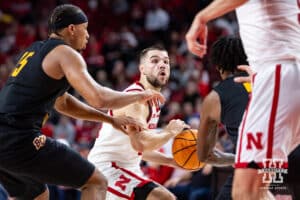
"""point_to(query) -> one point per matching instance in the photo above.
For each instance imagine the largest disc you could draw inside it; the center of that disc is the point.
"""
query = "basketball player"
(270, 32)
(39, 82)
(118, 155)
(292, 179)
(225, 104)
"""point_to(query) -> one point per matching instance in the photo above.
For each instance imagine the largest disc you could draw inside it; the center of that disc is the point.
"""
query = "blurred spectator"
(48, 129)
(120, 7)
(65, 130)
(191, 185)
(119, 76)
(4, 73)
(8, 40)
(191, 93)
(157, 19)
(87, 132)
(101, 77)
(111, 49)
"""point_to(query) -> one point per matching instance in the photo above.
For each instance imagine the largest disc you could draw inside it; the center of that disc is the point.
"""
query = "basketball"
(184, 150)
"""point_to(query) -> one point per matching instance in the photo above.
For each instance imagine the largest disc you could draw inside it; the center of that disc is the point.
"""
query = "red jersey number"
(122, 182)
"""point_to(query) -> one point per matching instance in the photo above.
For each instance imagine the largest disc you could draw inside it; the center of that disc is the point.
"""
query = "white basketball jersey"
(270, 30)
(114, 146)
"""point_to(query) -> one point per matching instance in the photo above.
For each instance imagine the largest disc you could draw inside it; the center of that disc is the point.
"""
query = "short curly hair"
(227, 53)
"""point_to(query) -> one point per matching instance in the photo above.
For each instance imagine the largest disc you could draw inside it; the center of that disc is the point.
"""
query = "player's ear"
(142, 68)
(71, 29)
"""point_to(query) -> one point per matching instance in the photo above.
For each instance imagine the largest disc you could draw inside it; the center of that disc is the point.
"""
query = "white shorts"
(270, 128)
(121, 181)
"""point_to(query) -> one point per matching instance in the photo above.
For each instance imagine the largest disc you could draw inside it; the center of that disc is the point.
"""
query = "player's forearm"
(113, 99)
(74, 108)
(158, 157)
(216, 9)
(149, 141)
(227, 159)
(207, 137)
(222, 160)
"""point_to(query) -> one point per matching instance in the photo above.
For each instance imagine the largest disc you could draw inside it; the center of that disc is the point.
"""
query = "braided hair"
(227, 53)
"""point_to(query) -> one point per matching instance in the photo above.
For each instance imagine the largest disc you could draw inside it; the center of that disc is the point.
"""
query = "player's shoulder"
(135, 87)
(211, 100)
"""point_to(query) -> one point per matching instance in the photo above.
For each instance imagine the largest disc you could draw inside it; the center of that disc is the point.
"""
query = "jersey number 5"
(22, 62)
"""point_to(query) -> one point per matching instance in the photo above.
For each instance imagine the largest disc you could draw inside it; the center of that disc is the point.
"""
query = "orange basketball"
(184, 150)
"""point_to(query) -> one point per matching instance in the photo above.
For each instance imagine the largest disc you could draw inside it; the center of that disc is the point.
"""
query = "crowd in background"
(118, 30)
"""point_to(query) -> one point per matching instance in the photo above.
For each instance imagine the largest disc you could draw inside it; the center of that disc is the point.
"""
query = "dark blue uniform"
(27, 158)
(234, 98)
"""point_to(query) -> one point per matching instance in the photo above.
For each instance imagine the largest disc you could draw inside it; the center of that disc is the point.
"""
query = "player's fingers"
(186, 126)
(160, 98)
(203, 37)
(198, 50)
(124, 129)
(129, 121)
(242, 79)
(245, 68)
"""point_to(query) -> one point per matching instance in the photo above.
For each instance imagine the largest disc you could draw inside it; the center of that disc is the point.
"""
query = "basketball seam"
(184, 139)
(184, 148)
(190, 131)
(191, 154)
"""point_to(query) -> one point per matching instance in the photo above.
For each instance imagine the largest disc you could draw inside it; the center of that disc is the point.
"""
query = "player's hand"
(243, 79)
(176, 126)
(127, 124)
(196, 37)
(153, 96)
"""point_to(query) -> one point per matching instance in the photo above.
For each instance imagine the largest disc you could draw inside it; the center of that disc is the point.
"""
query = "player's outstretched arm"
(159, 158)
(220, 159)
(148, 139)
(72, 107)
(197, 34)
(208, 133)
(208, 128)
(75, 70)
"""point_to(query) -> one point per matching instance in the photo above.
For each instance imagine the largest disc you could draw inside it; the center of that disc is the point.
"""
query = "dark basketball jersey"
(29, 94)
(234, 98)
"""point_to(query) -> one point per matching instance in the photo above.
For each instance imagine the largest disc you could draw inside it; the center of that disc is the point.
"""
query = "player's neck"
(60, 37)
(225, 75)
(148, 85)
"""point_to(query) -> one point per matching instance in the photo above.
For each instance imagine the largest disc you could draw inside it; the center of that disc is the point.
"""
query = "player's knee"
(236, 193)
(97, 180)
(168, 196)
(161, 194)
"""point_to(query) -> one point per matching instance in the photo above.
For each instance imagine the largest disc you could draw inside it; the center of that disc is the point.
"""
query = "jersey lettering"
(22, 63)
(121, 183)
(251, 140)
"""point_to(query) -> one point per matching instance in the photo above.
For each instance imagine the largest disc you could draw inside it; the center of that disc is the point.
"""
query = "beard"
(155, 82)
